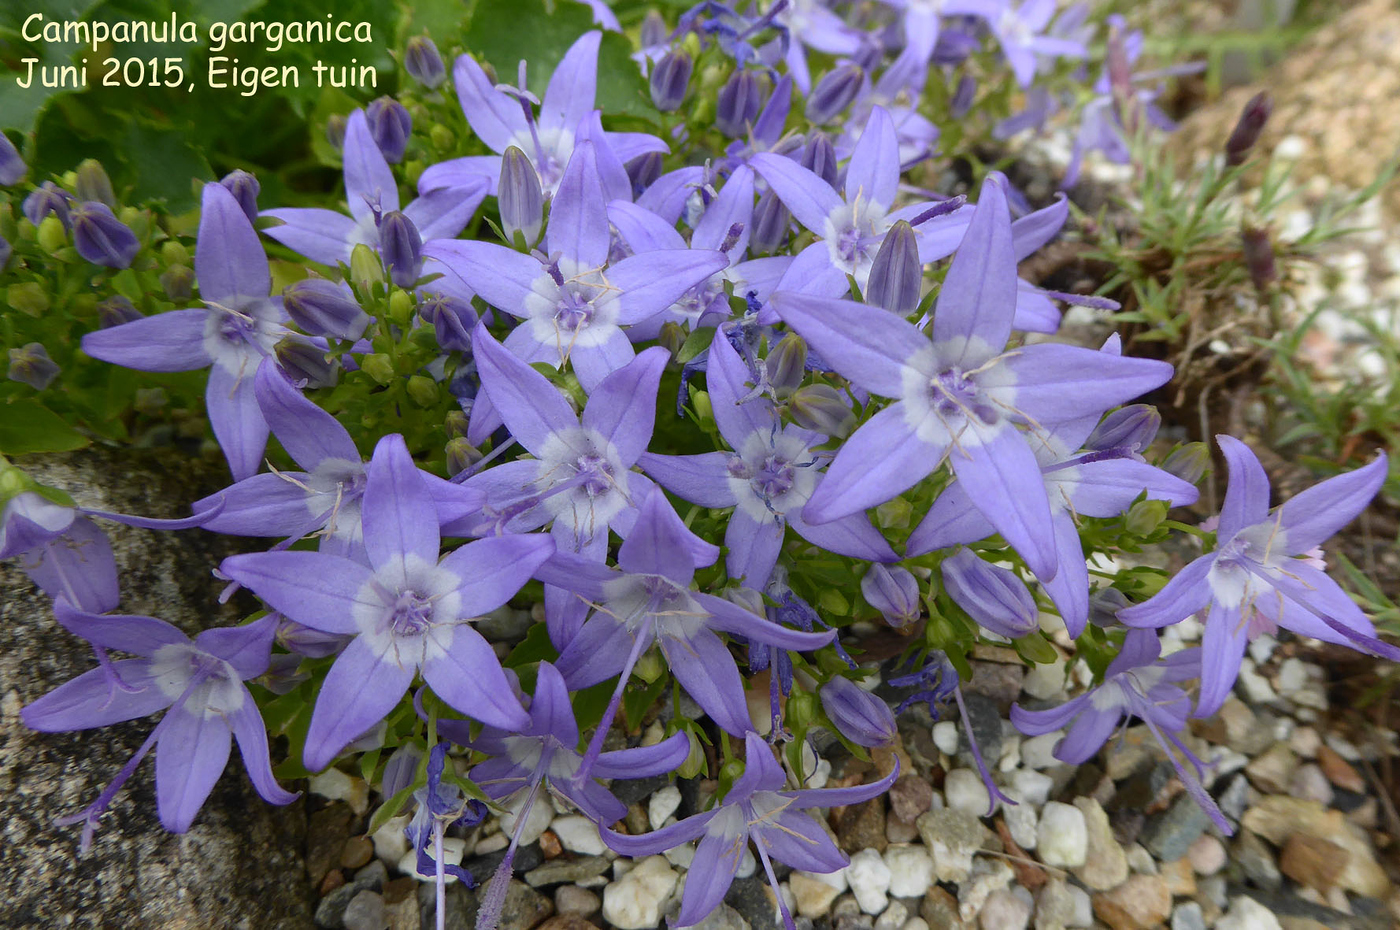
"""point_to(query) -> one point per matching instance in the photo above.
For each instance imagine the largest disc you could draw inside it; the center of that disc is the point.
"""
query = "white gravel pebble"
(911, 870)
(1045, 681)
(1207, 855)
(1083, 908)
(748, 865)
(453, 849)
(1062, 838)
(1248, 914)
(893, 917)
(1021, 819)
(578, 834)
(662, 805)
(869, 879)
(335, 785)
(964, 791)
(634, 901)
(389, 842)
(1032, 787)
(536, 821)
(1005, 911)
(1038, 751)
(945, 737)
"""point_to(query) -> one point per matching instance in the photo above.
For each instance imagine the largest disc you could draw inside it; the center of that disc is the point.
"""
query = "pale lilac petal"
(1032, 231)
(398, 516)
(1186, 593)
(495, 117)
(854, 536)
(1247, 493)
(701, 479)
(881, 459)
(727, 380)
(1060, 382)
(78, 566)
(667, 195)
(90, 700)
(369, 183)
(494, 569)
(810, 199)
(229, 261)
(469, 677)
(1035, 312)
(941, 236)
(1038, 722)
(582, 574)
(1000, 474)
(136, 634)
(623, 405)
(733, 206)
(1315, 515)
(594, 363)
(321, 235)
(531, 407)
(578, 216)
(503, 277)
(652, 281)
(170, 341)
(572, 88)
(1222, 650)
(642, 230)
(1069, 589)
(866, 345)
(442, 213)
(1318, 594)
(237, 422)
(798, 840)
(953, 520)
(263, 505)
(629, 146)
(659, 543)
(190, 756)
(247, 648)
(710, 874)
(462, 172)
(872, 174)
(360, 689)
(309, 434)
(611, 173)
(753, 548)
(658, 841)
(705, 669)
(1108, 488)
(596, 653)
(978, 299)
(248, 727)
(644, 761)
(833, 797)
(314, 589)
(731, 618)
(1087, 734)
(452, 503)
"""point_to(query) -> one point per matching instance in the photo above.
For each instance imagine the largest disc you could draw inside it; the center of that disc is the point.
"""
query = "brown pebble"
(1313, 861)
(550, 845)
(398, 889)
(1339, 771)
(356, 852)
(1030, 875)
(567, 922)
(333, 880)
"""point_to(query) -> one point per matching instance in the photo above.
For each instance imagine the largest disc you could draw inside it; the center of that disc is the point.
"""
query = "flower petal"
(323, 236)
(1222, 651)
(658, 841)
(810, 199)
(138, 635)
(710, 874)
(883, 458)
(644, 761)
(978, 300)
(753, 548)
(623, 405)
(643, 230)
(503, 277)
(1069, 589)
(1247, 493)
(170, 341)
(309, 434)
(370, 188)
(578, 215)
(531, 407)
(251, 732)
(1186, 593)
(731, 618)
(705, 669)
(652, 281)
(953, 520)
(237, 421)
(398, 516)
(1059, 382)
(1315, 515)
(229, 261)
(469, 677)
(191, 753)
(90, 700)
(701, 479)
(314, 589)
(494, 569)
(873, 171)
(727, 380)
(359, 690)
(573, 86)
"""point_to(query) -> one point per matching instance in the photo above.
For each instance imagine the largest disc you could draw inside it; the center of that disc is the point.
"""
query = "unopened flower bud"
(770, 223)
(520, 197)
(654, 29)
(441, 137)
(894, 592)
(1250, 126)
(1104, 604)
(178, 283)
(116, 310)
(52, 235)
(305, 641)
(5, 250)
(335, 131)
(45, 199)
(822, 409)
(245, 188)
(401, 247)
(993, 596)
(1132, 427)
(643, 171)
(787, 364)
(423, 390)
(1189, 462)
(963, 96)
(400, 770)
(31, 365)
(12, 167)
(389, 126)
(694, 763)
(173, 252)
(325, 308)
(669, 80)
(834, 92)
(93, 184)
(672, 337)
(740, 99)
(304, 361)
(1145, 516)
(862, 718)
(455, 423)
(27, 297)
(101, 238)
(896, 272)
(423, 62)
(801, 710)
(819, 156)
(378, 366)
(366, 269)
(453, 321)
(1259, 256)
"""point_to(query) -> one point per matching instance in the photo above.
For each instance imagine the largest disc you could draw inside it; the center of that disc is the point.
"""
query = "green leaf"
(696, 343)
(636, 701)
(28, 426)
(1037, 649)
(391, 807)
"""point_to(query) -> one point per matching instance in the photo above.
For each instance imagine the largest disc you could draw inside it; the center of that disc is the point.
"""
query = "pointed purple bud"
(1189, 463)
(423, 62)
(93, 184)
(644, 171)
(740, 99)
(819, 156)
(787, 364)
(325, 308)
(896, 273)
(1259, 256)
(400, 770)
(307, 363)
(993, 596)
(12, 166)
(114, 311)
(669, 80)
(453, 321)
(770, 223)
(45, 199)
(335, 131)
(654, 30)
(822, 409)
(1132, 428)
(5, 251)
(520, 197)
(101, 238)
(401, 247)
(1104, 605)
(1250, 126)
(862, 718)
(963, 96)
(461, 455)
(1117, 65)
(834, 92)
(389, 126)
(31, 365)
(244, 187)
(894, 592)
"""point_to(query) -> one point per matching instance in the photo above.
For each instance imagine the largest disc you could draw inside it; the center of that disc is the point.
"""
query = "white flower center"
(571, 306)
(772, 475)
(175, 664)
(240, 331)
(409, 608)
(592, 466)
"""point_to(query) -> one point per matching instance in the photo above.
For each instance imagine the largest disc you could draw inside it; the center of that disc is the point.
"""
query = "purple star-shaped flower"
(756, 808)
(810, 24)
(1019, 30)
(1263, 573)
(408, 611)
(963, 395)
(202, 684)
(767, 479)
(238, 328)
